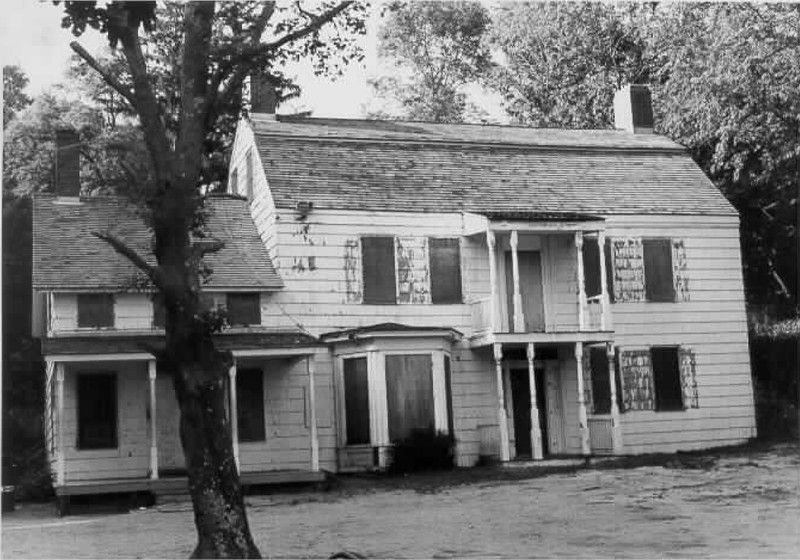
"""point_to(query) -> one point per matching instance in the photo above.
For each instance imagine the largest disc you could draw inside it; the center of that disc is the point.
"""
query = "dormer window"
(95, 311)
(244, 309)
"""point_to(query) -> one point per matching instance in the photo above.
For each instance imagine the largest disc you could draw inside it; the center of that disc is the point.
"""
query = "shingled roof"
(426, 167)
(66, 256)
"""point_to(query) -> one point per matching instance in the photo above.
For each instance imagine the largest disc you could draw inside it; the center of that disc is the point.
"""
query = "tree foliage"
(436, 48)
(14, 97)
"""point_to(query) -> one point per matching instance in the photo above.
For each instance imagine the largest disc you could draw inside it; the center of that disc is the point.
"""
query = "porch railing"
(481, 316)
(600, 435)
(593, 314)
(69, 323)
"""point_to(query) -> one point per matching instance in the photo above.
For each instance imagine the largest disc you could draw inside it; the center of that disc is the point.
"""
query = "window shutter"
(356, 401)
(413, 279)
(609, 256)
(667, 378)
(352, 271)
(445, 264)
(658, 269)
(243, 308)
(628, 270)
(679, 274)
(95, 310)
(688, 378)
(601, 383)
(637, 380)
(588, 397)
(377, 257)
(591, 266)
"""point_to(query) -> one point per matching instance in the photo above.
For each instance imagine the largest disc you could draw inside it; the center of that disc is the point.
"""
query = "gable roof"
(66, 256)
(429, 167)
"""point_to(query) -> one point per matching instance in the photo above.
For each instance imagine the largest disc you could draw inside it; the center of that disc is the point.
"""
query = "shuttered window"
(445, 270)
(243, 309)
(667, 378)
(356, 401)
(95, 310)
(377, 257)
(250, 405)
(159, 312)
(591, 267)
(409, 394)
(658, 270)
(97, 411)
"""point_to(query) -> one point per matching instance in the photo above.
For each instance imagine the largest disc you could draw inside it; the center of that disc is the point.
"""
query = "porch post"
(234, 415)
(61, 463)
(519, 317)
(151, 374)
(313, 416)
(581, 287)
(582, 416)
(536, 430)
(604, 300)
(616, 427)
(490, 242)
(501, 409)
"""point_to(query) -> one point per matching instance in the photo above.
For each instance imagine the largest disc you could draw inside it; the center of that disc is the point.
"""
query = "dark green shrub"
(423, 450)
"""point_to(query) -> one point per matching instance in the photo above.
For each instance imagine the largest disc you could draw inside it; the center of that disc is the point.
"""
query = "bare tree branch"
(109, 78)
(312, 27)
(129, 253)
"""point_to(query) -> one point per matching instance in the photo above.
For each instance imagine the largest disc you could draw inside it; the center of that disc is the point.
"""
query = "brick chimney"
(68, 149)
(633, 109)
(263, 97)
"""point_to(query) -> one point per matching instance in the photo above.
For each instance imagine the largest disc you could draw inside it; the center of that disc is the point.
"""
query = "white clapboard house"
(536, 293)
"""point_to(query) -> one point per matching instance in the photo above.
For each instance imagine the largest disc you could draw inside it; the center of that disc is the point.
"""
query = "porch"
(547, 279)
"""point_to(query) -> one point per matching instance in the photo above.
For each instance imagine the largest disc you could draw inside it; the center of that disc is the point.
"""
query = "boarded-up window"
(356, 401)
(377, 257)
(679, 272)
(248, 169)
(159, 311)
(97, 411)
(667, 378)
(250, 405)
(409, 394)
(609, 256)
(658, 270)
(445, 257)
(244, 309)
(627, 270)
(591, 267)
(637, 379)
(234, 186)
(688, 378)
(413, 278)
(95, 310)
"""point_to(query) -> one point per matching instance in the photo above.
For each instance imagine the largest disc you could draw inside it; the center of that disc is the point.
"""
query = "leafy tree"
(206, 66)
(14, 98)
(437, 48)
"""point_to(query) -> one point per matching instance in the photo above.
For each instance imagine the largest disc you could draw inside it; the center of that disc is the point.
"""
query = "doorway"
(521, 405)
(530, 288)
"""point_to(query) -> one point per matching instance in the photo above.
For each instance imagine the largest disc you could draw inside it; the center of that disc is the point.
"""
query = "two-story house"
(534, 292)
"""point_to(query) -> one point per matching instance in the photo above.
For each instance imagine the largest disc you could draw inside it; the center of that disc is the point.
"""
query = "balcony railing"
(481, 316)
(69, 323)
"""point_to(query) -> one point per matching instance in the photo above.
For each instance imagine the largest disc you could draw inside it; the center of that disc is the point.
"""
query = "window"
(356, 401)
(658, 270)
(666, 378)
(377, 256)
(445, 270)
(97, 411)
(591, 266)
(244, 309)
(234, 185)
(159, 312)
(409, 393)
(248, 169)
(95, 310)
(601, 384)
(250, 405)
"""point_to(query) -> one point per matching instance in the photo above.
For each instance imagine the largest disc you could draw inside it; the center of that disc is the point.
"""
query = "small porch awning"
(530, 221)
(389, 330)
(137, 347)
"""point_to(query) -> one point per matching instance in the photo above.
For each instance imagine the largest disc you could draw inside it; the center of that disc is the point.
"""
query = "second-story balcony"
(546, 282)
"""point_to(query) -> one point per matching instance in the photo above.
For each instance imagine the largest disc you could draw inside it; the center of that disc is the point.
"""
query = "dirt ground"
(742, 504)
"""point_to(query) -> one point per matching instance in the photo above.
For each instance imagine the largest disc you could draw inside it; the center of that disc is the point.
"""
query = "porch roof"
(387, 330)
(138, 344)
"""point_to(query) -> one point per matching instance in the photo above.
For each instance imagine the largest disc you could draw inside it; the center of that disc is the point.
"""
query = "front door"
(170, 452)
(521, 399)
(530, 288)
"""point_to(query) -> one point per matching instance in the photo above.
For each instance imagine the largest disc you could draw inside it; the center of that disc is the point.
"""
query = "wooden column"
(493, 293)
(501, 409)
(604, 299)
(536, 429)
(234, 415)
(581, 286)
(151, 374)
(519, 316)
(61, 461)
(312, 397)
(616, 427)
(583, 420)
